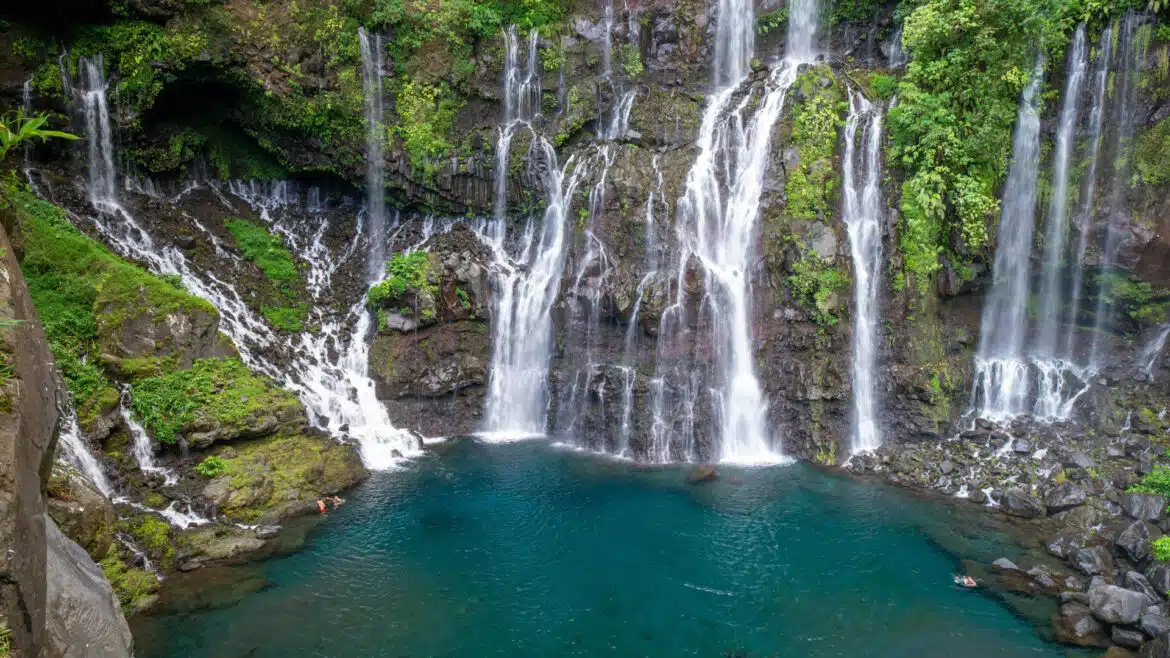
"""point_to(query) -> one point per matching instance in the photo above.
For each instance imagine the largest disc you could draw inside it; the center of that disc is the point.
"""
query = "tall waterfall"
(1130, 56)
(102, 173)
(371, 49)
(75, 452)
(1001, 371)
(719, 233)
(328, 372)
(526, 287)
(863, 221)
(521, 105)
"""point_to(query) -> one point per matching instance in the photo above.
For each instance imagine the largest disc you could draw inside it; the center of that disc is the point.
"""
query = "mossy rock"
(270, 479)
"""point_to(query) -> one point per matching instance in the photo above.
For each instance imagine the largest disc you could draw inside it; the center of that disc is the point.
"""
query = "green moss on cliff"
(815, 281)
(220, 393)
(84, 293)
(135, 588)
(815, 119)
(267, 251)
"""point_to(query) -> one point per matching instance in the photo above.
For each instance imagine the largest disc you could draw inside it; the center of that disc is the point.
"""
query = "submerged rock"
(1127, 638)
(702, 474)
(1075, 625)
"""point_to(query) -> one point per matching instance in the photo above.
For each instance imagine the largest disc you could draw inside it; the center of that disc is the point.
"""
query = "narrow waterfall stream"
(372, 54)
(1001, 384)
(862, 175)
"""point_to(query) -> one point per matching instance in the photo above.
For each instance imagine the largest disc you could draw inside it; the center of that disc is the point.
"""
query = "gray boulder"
(1079, 460)
(1021, 446)
(1158, 647)
(1138, 583)
(1042, 577)
(1155, 625)
(1092, 560)
(1005, 564)
(1064, 497)
(85, 619)
(1143, 507)
(1116, 605)
(1159, 576)
(1018, 502)
(1075, 625)
(1134, 540)
(1127, 638)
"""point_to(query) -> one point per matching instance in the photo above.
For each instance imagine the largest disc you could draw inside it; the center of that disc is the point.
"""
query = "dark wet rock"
(702, 474)
(1084, 517)
(1079, 460)
(1064, 545)
(1019, 502)
(1116, 605)
(1159, 576)
(1074, 597)
(1075, 625)
(946, 467)
(1143, 507)
(83, 610)
(267, 531)
(80, 510)
(1021, 446)
(1127, 638)
(1004, 563)
(1158, 647)
(1064, 497)
(1134, 540)
(1043, 577)
(1092, 560)
(1154, 624)
(1138, 583)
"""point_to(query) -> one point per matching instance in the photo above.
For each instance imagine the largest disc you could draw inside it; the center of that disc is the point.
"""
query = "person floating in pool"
(965, 581)
(321, 505)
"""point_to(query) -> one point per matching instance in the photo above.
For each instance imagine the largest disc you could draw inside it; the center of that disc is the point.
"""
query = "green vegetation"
(883, 86)
(134, 587)
(268, 252)
(1156, 481)
(1161, 547)
(772, 20)
(1151, 153)
(952, 127)
(815, 120)
(211, 467)
(815, 281)
(407, 272)
(84, 294)
(852, 11)
(631, 59)
(427, 114)
(15, 128)
(1135, 300)
(220, 392)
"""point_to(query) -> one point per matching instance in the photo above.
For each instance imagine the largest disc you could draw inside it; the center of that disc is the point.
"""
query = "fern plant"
(15, 128)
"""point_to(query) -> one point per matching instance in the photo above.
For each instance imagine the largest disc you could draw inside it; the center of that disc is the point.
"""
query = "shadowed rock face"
(55, 600)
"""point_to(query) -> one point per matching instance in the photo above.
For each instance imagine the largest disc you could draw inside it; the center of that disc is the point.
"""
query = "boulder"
(1018, 502)
(1042, 577)
(1143, 507)
(1116, 605)
(1134, 540)
(1154, 624)
(1064, 545)
(1158, 647)
(1021, 446)
(1075, 625)
(85, 619)
(1138, 583)
(1127, 638)
(1092, 560)
(1004, 563)
(1063, 497)
(1079, 460)
(1159, 576)
(946, 467)
(80, 510)
(702, 474)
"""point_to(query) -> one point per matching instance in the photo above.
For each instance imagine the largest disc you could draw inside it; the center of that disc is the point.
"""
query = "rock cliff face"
(55, 600)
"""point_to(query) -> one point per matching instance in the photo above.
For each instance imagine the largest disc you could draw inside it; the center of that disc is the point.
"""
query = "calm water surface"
(525, 550)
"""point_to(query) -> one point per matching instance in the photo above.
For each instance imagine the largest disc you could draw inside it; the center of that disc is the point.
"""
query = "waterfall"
(372, 50)
(863, 222)
(607, 42)
(102, 173)
(75, 452)
(803, 23)
(1089, 190)
(521, 105)
(526, 288)
(143, 448)
(1001, 372)
(1149, 354)
(1130, 57)
(735, 41)
(619, 117)
(328, 372)
(898, 58)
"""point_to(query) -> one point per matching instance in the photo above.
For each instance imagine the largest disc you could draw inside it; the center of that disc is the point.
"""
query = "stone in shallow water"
(1075, 625)
(1004, 563)
(1064, 497)
(1042, 577)
(702, 474)
(1127, 638)
(1115, 605)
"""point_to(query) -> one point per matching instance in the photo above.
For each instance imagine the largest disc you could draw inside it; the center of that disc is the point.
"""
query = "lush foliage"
(268, 252)
(815, 120)
(427, 113)
(815, 281)
(1132, 299)
(1152, 153)
(1161, 547)
(1157, 481)
(952, 126)
(222, 391)
(407, 272)
(16, 128)
(133, 586)
(772, 20)
(70, 277)
(211, 467)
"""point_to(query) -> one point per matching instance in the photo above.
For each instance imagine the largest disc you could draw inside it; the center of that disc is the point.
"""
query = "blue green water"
(525, 550)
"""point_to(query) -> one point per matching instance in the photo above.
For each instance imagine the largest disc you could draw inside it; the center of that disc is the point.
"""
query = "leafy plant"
(265, 249)
(1161, 547)
(1157, 481)
(772, 20)
(16, 128)
(407, 272)
(211, 467)
(631, 59)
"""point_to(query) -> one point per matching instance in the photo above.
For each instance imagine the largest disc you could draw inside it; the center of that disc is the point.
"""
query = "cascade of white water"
(1000, 391)
(336, 390)
(521, 105)
(102, 173)
(619, 117)
(1131, 58)
(607, 41)
(863, 222)
(371, 49)
(1084, 220)
(143, 448)
(517, 399)
(75, 452)
(1057, 374)
(898, 57)
(1149, 353)
(735, 42)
